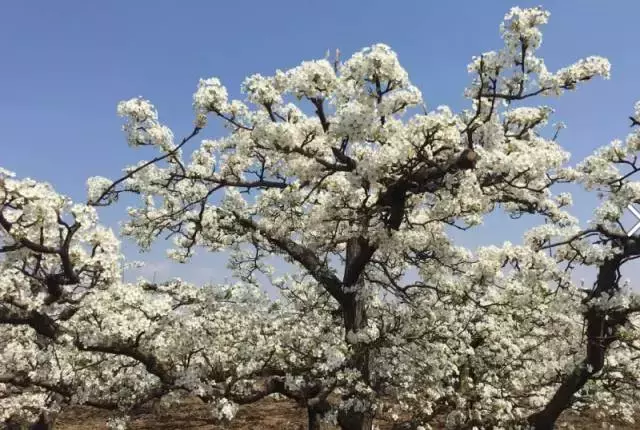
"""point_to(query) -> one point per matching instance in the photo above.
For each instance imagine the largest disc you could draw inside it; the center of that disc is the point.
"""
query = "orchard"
(338, 169)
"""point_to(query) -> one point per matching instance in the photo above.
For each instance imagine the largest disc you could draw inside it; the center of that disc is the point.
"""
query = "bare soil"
(268, 414)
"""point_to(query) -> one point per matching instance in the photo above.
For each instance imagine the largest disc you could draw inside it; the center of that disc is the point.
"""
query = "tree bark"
(355, 319)
(359, 253)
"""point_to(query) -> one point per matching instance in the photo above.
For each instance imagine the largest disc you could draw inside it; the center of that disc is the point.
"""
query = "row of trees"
(337, 169)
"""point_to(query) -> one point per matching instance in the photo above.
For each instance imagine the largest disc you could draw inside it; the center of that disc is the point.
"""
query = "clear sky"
(66, 64)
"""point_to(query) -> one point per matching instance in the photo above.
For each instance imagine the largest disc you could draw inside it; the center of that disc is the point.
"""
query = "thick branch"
(307, 258)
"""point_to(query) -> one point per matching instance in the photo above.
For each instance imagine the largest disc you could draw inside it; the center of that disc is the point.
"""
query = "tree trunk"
(355, 319)
(355, 420)
(546, 419)
(11, 424)
(601, 331)
(358, 255)
(44, 423)
(313, 419)
(315, 412)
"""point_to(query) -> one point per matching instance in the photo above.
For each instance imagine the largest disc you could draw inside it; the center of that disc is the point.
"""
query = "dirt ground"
(267, 414)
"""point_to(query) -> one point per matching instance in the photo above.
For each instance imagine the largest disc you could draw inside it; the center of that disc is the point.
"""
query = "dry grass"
(268, 414)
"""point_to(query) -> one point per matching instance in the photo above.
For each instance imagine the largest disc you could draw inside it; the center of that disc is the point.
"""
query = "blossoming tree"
(53, 255)
(340, 170)
(610, 308)
(360, 191)
(73, 333)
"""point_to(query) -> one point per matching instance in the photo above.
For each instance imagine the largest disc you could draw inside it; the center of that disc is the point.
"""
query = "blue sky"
(65, 65)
